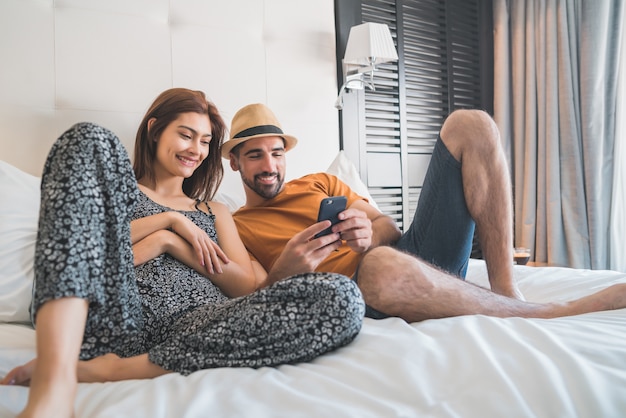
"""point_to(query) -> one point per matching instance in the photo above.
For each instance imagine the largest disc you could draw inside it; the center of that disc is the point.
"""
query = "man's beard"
(264, 190)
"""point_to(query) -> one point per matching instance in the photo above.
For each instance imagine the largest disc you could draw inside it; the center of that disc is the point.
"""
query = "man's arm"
(364, 227)
(302, 253)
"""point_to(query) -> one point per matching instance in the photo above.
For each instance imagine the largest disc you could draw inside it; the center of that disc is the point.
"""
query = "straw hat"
(255, 121)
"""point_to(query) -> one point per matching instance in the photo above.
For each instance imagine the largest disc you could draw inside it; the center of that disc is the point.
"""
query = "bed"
(469, 366)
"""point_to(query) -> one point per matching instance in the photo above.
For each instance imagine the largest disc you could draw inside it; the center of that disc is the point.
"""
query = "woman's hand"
(227, 265)
(151, 237)
(207, 251)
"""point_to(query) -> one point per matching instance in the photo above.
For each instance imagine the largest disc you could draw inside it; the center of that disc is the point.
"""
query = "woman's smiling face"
(184, 144)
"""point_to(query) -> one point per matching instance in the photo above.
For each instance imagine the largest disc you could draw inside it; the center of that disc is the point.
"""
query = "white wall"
(65, 61)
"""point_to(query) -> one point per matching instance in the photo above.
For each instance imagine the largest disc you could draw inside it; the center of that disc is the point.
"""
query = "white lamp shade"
(368, 44)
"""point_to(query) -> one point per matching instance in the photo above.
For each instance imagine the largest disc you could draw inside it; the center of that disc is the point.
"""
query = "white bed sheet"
(470, 366)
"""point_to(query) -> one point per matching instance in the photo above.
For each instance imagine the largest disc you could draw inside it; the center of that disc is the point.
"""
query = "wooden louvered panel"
(389, 201)
(465, 60)
(379, 10)
(438, 71)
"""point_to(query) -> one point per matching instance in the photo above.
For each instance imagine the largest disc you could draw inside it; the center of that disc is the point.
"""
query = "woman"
(139, 275)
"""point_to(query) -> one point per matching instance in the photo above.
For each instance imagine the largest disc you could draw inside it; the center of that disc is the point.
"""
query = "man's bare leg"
(472, 137)
(59, 333)
(401, 285)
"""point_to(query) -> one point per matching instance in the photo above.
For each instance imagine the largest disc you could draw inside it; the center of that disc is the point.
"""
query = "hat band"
(259, 130)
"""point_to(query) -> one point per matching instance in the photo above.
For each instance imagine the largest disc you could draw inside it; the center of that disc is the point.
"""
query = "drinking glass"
(521, 255)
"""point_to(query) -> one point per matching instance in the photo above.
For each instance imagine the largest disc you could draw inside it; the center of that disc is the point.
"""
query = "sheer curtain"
(555, 101)
(618, 205)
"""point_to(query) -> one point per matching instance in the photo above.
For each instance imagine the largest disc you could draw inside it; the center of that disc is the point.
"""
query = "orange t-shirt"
(265, 229)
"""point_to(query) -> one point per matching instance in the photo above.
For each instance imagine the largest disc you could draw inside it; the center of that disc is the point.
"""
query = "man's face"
(261, 164)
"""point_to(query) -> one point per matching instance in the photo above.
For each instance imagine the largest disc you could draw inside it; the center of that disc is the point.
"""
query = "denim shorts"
(442, 229)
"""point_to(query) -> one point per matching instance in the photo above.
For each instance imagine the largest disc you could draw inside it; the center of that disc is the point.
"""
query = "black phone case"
(330, 207)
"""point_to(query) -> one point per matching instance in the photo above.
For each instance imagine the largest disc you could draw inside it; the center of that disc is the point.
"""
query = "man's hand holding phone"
(355, 228)
(304, 253)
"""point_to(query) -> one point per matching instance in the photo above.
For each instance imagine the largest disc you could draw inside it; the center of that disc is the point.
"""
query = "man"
(414, 275)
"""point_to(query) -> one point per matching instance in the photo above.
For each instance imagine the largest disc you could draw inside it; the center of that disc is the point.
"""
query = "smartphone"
(330, 207)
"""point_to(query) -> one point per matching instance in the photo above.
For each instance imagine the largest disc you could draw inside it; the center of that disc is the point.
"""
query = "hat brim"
(290, 142)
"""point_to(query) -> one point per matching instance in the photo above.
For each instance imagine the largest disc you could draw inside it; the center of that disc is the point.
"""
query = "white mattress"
(471, 366)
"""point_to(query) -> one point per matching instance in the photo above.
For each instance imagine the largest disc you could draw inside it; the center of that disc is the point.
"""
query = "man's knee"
(372, 268)
(388, 276)
(462, 119)
(469, 127)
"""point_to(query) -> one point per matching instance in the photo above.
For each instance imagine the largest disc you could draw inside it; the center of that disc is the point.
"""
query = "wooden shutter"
(390, 132)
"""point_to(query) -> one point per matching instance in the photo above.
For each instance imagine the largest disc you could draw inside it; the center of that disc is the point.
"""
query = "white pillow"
(19, 214)
(345, 170)
(232, 201)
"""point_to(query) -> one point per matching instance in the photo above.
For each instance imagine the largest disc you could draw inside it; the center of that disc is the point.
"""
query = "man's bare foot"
(613, 297)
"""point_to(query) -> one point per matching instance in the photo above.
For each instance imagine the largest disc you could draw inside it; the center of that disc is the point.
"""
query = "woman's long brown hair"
(204, 182)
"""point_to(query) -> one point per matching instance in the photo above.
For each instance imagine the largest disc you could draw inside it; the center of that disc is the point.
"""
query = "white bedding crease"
(469, 366)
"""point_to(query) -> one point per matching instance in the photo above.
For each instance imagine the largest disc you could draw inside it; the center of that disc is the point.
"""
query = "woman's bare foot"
(51, 393)
(53, 385)
(20, 375)
(98, 369)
